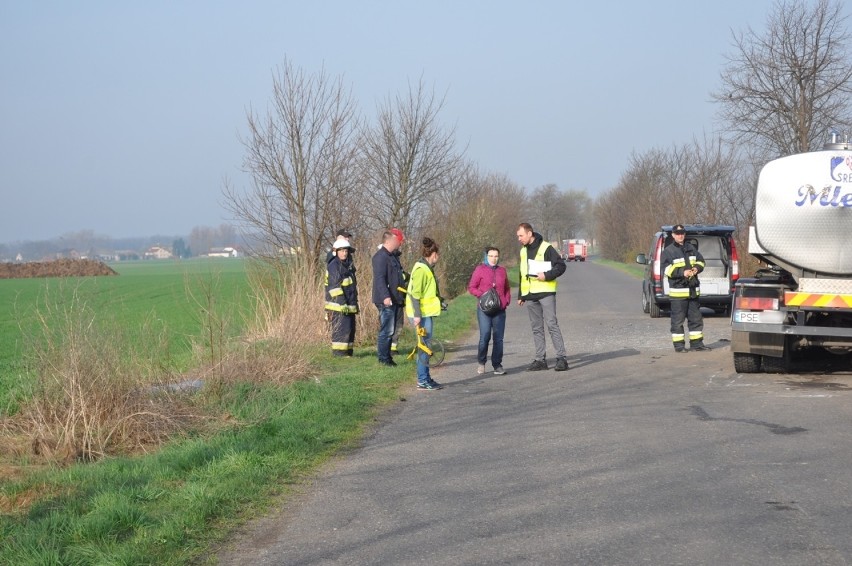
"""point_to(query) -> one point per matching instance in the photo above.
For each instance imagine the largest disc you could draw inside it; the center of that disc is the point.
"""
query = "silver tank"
(803, 211)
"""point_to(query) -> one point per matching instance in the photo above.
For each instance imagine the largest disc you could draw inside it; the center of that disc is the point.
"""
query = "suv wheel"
(654, 309)
(646, 305)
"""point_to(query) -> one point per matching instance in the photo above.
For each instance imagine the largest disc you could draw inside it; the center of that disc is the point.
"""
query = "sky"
(125, 118)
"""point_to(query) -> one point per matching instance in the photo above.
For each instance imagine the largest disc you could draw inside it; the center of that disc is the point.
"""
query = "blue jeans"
(387, 322)
(423, 376)
(495, 324)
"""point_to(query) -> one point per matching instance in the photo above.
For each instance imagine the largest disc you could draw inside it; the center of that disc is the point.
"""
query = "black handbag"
(489, 302)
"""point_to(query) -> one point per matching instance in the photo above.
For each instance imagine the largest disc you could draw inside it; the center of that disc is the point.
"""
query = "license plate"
(741, 316)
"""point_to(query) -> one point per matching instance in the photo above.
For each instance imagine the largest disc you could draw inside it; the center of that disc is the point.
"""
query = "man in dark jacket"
(387, 279)
(540, 265)
(400, 312)
(682, 263)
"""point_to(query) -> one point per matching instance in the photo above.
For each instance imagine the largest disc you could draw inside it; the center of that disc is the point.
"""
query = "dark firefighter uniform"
(341, 301)
(684, 292)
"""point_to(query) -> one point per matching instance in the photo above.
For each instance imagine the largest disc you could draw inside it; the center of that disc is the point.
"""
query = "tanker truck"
(802, 299)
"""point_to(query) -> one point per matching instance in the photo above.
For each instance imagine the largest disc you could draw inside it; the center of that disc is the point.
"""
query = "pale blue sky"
(123, 117)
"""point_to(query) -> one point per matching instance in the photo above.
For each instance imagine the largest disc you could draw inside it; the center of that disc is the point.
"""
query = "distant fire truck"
(574, 250)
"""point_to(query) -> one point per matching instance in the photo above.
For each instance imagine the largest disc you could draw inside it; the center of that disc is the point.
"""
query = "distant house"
(157, 252)
(223, 252)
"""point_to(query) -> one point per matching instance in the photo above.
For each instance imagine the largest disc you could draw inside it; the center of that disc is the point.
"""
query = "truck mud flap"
(757, 343)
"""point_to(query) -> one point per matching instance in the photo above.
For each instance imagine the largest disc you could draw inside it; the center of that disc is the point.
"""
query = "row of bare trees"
(781, 91)
(316, 165)
(704, 181)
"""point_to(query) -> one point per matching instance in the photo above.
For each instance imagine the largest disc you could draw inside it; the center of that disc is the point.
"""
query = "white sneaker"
(480, 368)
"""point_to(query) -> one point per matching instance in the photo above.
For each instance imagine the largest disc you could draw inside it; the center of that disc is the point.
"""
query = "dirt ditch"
(55, 268)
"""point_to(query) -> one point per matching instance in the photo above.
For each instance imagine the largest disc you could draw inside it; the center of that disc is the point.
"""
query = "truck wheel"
(654, 309)
(746, 363)
(776, 365)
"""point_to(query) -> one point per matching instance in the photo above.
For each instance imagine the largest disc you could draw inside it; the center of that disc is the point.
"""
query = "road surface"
(636, 455)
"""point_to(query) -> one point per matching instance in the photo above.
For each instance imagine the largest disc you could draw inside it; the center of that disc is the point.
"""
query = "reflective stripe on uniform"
(681, 292)
(676, 264)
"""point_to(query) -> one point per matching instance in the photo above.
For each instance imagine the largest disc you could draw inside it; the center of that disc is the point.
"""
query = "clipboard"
(535, 267)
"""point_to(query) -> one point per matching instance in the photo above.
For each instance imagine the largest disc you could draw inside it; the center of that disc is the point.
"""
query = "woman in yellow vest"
(422, 304)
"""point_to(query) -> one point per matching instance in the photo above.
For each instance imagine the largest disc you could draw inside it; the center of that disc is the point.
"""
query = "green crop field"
(161, 294)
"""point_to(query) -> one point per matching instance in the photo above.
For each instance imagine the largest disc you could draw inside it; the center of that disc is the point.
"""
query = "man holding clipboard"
(540, 265)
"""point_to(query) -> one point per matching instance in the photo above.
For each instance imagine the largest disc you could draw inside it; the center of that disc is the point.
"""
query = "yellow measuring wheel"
(434, 351)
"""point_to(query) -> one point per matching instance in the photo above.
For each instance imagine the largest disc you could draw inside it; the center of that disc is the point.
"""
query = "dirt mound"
(55, 268)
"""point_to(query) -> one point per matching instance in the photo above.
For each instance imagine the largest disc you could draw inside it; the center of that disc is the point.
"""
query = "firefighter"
(341, 299)
(681, 263)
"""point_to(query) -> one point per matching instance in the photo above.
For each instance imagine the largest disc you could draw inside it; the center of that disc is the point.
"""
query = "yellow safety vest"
(422, 286)
(534, 285)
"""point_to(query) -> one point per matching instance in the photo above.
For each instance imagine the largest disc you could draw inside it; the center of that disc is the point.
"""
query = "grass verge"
(169, 507)
(633, 269)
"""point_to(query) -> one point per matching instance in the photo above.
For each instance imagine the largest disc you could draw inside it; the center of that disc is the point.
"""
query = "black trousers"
(690, 310)
(342, 334)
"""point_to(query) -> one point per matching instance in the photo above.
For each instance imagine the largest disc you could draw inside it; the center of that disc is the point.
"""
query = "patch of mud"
(55, 268)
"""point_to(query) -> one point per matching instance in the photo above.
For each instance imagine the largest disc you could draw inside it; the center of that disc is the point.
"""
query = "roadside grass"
(173, 505)
(145, 293)
(633, 269)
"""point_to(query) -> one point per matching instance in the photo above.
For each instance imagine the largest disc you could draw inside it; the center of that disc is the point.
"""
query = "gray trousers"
(544, 312)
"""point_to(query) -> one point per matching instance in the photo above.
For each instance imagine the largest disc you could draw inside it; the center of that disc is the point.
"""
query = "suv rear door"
(721, 269)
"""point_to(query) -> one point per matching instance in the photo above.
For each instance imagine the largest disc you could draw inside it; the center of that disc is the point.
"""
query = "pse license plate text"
(745, 316)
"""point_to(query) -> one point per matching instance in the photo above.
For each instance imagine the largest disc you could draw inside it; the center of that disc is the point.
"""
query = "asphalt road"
(636, 455)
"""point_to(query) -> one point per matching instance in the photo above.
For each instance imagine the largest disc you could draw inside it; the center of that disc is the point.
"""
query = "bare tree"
(201, 239)
(705, 181)
(783, 90)
(483, 211)
(302, 157)
(408, 157)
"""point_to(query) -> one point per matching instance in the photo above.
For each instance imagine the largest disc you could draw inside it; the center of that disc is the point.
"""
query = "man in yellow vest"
(540, 265)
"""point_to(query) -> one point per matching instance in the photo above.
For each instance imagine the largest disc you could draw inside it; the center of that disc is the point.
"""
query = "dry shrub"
(289, 299)
(270, 361)
(286, 326)
(367, 320)
(96, 390)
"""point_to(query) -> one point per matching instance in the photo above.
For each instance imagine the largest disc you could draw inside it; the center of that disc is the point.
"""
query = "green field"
(144, 294)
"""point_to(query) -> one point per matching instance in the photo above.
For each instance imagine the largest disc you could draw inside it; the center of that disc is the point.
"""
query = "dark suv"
(721, 268)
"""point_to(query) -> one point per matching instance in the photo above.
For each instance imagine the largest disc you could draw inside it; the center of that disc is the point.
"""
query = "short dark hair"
(491, 248)
(526, 226)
